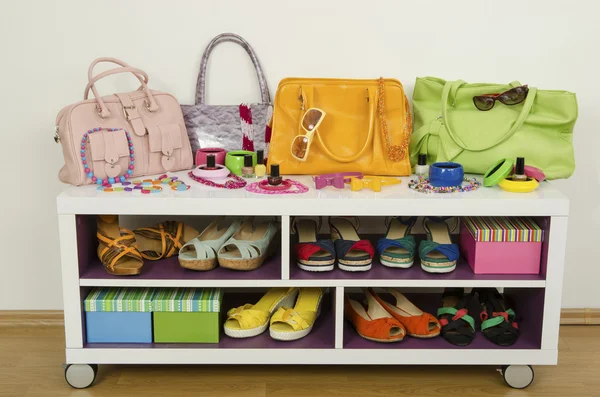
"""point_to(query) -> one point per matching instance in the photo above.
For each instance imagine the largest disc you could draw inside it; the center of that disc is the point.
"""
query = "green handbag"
(448, 127)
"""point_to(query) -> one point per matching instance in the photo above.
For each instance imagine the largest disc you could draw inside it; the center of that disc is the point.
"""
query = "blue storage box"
(119, 315)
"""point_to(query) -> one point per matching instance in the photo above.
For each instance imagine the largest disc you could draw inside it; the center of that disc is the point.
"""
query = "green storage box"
(187, 315)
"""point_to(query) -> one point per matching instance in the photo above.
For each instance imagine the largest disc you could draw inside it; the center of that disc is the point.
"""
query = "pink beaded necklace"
(110, 180)
(236, 183)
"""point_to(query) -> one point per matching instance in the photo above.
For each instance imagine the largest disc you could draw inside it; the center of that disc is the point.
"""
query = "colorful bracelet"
(236, 183)
(422, 185)
(145, 186)
(300, 188)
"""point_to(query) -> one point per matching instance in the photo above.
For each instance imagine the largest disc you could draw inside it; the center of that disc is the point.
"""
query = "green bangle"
(498, 172)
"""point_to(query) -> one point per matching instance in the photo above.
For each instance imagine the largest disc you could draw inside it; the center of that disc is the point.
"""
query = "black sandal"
(497, 321)
(458, 327)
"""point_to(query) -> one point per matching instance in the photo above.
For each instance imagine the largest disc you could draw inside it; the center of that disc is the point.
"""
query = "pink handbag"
(102, 137)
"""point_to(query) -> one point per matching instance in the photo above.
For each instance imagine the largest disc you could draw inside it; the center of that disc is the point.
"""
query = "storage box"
(187, 315)
(501, 245)
(119, 315)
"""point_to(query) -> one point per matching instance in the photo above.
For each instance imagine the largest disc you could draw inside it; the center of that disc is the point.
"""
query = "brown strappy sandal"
(163, 240)
(116, 248)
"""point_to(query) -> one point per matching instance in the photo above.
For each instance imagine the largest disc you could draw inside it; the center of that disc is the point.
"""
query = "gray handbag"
(221, 126)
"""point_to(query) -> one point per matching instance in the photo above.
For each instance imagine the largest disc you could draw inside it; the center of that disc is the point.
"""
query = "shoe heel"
(287, 301)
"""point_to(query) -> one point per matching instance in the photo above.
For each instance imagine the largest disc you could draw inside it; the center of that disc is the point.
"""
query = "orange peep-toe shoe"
(372, 321)
(417, 323)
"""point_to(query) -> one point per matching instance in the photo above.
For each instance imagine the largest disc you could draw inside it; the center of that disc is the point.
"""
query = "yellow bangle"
(519, 186)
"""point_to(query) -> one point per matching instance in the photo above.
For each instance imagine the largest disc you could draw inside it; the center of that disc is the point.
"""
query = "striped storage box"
(187, 315)
(119, 315)
(502, 245)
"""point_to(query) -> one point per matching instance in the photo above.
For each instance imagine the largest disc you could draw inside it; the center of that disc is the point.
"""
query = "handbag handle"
(234, 38)
(115, 61)
(449, 93)
(140, 74)
(371, 99)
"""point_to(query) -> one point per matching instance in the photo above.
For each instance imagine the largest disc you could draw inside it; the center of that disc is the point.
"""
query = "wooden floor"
(30, 359)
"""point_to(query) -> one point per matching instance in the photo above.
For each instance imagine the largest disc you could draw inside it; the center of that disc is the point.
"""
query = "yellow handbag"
(361, 125)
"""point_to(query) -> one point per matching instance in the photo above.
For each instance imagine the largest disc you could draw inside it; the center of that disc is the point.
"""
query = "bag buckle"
(126, 113)
(56, 135)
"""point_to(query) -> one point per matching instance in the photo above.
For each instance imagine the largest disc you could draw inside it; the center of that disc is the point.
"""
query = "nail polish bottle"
(519, 174)
(422, 169)
(274, 179)
(248, 168)
(260, 170)
(211, 163)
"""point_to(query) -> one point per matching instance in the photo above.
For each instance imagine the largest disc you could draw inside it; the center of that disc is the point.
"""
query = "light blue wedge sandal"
(200, 253)
(248, 248)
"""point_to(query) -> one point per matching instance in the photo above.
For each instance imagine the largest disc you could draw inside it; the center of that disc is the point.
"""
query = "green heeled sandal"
(438, 254)
(398, 247)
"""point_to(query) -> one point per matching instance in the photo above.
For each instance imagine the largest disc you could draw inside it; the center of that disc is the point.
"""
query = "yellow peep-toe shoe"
(252, 320)
(289, 324)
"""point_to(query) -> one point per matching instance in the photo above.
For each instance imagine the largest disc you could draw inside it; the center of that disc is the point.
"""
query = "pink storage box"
(501, 245)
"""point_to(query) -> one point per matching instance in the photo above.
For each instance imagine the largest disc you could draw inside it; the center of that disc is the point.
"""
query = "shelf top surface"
(204, 200)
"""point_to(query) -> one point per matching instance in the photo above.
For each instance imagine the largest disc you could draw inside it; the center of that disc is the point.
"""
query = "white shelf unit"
(75, 205)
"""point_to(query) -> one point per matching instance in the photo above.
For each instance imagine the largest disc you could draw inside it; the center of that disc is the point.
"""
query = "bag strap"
(234, 38)
(371, 99)
(140, 74)
(449, 96)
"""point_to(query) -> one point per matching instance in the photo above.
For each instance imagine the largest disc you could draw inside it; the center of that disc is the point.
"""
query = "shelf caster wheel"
(80, 376)
(517, 376)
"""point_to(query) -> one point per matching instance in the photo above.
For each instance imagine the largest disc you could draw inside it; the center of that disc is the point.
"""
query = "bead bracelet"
(111, 180)
(146, 186)
(236, 183)
(422, 185)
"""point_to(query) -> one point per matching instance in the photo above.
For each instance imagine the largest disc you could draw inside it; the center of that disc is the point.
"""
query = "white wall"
(47, 46)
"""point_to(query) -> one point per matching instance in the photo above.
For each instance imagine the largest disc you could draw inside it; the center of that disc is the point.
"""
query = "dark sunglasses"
(513, 96)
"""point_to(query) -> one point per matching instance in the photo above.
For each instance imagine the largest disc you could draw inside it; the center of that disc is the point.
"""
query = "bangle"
(219, 154)
(220, 172)
(519, 186)
(285, 184)
(446, 174)
(497, 172)
(534, 172)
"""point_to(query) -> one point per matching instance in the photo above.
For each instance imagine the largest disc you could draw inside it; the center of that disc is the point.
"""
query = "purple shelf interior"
(169, 269)
(378, 271)
(90, 266)
(529, 304)
(322, 335)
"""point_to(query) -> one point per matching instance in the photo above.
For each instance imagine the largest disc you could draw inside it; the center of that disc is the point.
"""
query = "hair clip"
(372, 182)
(336, 180)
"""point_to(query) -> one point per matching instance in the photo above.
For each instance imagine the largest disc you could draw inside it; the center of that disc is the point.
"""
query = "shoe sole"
(313, 268)
(432, 269)
(400, 265)
(287, 301)
(357, 268)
